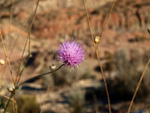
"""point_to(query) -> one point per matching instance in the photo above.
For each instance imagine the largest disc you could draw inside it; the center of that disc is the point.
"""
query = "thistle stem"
(29, 80)
(38, 76)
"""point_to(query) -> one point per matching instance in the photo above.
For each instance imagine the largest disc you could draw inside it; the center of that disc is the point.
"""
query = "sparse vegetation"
(30, 34)
(26, 104)
(129, 68)
(76, 101)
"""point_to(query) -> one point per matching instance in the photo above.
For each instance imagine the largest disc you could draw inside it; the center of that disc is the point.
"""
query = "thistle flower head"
(71, 53)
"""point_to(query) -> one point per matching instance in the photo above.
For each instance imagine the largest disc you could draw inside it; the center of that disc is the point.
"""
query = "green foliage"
(26, 104)
(76, 101)
(1, 103)
(129, 68)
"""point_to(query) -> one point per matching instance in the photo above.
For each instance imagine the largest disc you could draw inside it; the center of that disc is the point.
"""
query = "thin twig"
(30, 29)
(8, 101)
(96, 50)
(139, 83)
(2, 78)
(21, 72)
(103, 28)
(8, 98)
(7, 58)
(28, 39)
(11, 14)
(29, 80)
(39, 76)
(104, 79)
(97, 55)
(10, 20)
(87, 14)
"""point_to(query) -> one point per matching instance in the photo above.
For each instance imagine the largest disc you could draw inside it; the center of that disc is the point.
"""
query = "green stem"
(38, 76)
(8, 101)
(29, 80)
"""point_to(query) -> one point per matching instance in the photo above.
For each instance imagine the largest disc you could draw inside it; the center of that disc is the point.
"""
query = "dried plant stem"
(39, 76)
(8, 101)
(97, 55)
(11, 13)
(12, 7)
(7, 58)
(19, 75)
(104, 79)
(29, 42)
(8, 98)
(26, 81)
(2, 78)
(29, 33)
(87, 14)
(15, 104)
(103, 28)
(139, 83)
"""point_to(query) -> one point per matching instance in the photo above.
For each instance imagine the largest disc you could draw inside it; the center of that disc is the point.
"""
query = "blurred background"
(124, 52)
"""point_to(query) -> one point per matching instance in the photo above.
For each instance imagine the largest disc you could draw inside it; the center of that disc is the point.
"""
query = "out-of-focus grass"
(26, 104)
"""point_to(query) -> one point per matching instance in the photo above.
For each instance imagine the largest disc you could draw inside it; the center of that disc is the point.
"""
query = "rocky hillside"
(59, 20)
(127, 15)
(127, 25)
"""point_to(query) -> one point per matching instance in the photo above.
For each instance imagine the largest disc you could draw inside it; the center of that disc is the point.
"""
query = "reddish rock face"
(127, 24)
(125, 16)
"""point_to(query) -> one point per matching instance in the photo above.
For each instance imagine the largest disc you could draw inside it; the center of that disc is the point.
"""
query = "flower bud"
(2, 62)
(96, 40)
(53, 67)
(11, 88)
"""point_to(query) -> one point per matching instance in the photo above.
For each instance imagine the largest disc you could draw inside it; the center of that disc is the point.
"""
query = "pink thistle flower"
(71, 53)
